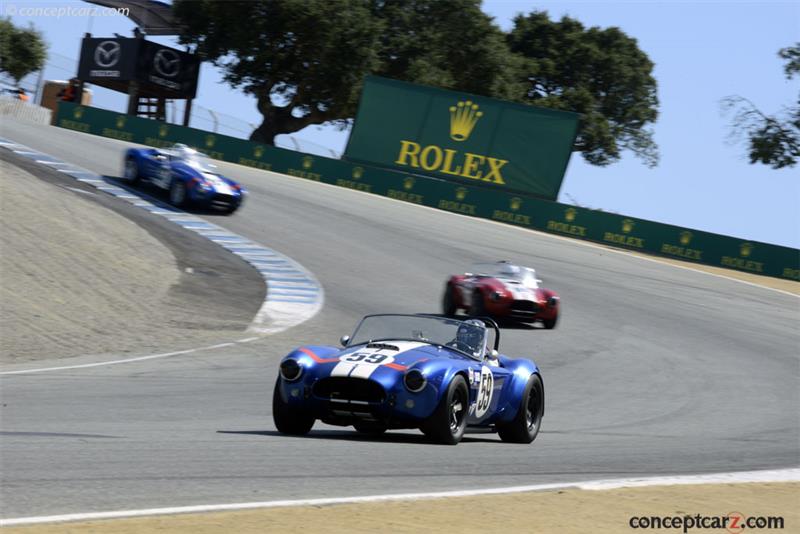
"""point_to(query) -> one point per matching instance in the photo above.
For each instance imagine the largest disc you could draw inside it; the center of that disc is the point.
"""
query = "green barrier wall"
(530, 212)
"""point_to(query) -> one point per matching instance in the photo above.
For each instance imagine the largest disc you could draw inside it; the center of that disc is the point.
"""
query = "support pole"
(133, 98)
(187, 111)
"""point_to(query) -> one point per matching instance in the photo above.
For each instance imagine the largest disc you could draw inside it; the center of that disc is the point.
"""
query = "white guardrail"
(14, 107)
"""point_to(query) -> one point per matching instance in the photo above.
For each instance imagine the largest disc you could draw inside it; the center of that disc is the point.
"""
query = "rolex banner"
(463, 138)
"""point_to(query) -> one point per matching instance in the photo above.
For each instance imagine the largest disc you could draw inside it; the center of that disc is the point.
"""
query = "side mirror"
(344, 340)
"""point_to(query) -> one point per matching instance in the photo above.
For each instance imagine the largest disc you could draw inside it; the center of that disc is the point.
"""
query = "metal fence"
(60, 67)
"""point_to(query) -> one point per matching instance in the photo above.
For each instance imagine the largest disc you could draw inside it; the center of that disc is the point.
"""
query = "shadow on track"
(159, 197)
(352, 435)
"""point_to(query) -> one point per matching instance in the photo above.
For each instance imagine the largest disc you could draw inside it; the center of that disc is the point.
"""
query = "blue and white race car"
(189, 176)
(435, 373)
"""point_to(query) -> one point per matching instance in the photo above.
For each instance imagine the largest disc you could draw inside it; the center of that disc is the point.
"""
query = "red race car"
(501, 290)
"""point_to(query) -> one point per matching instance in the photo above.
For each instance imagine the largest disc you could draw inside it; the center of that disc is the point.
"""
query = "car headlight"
(414, 381)
(290, 370)
(552, 301)
(496, 295)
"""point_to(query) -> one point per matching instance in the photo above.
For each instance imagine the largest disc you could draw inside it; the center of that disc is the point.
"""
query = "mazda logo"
(107, 54)
(167, 63)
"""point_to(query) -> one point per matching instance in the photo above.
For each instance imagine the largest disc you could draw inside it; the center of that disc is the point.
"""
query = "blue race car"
(188, 175)
(430, 372)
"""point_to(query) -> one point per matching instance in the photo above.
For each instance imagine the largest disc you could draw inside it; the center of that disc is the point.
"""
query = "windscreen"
(465, 337)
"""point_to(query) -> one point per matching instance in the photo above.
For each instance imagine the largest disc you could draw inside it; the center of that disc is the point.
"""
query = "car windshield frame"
(526, 277)
(478, 355)
(196, 159)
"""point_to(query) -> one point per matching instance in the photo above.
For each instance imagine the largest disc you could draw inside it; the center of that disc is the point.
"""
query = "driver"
(469, 336)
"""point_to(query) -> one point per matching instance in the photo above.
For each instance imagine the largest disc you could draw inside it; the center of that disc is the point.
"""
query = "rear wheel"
(289, 419)
(447, 423)
(526, 424)
(448, 301)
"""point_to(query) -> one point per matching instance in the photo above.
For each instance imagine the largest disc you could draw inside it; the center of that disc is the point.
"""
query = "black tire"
(289, 419)
(477, 308)
(447, 423)
(372, 429)
(448, 301)
(526, 424)
(131, 171)
(177, 193)
(550, 323)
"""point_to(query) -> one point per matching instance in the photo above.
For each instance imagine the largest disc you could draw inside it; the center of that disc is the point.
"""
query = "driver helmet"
(470, 333)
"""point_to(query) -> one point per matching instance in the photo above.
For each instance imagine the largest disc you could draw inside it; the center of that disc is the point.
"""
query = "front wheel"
(131, 171)
(447, 423)
(477, 309)
(289, 419)
(526, 424)
(177, 193)
(550, 323)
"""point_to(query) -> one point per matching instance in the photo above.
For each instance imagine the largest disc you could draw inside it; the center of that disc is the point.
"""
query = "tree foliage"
(304, 61)
(600, 73)
(22, 50)
(772, 140)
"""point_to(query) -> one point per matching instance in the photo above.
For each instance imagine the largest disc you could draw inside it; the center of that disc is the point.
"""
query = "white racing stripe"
(362, 369)
(780, 475)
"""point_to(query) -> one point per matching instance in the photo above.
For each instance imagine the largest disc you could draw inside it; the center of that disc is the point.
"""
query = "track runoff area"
(557, 248)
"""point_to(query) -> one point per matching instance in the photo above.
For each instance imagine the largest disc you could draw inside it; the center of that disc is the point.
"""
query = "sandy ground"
(77, 278)
(567, 511)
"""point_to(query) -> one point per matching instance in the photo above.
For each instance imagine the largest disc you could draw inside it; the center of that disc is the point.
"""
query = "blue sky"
(702, 50)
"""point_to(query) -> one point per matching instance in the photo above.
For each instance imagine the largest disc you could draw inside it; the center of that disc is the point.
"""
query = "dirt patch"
(567, 511)
(82, 273)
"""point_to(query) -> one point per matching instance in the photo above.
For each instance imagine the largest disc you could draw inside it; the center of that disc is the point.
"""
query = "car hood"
(397, 354)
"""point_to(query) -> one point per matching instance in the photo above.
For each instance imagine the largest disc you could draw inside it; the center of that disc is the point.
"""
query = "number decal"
(485, 391)
(366, 357)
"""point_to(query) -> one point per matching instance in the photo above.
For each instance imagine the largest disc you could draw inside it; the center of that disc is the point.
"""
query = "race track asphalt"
(652, 370)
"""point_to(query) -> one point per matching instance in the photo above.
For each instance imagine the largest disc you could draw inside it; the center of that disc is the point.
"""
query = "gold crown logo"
(516, 203)
(463, 117)
(745, 249)
(210, 140)
(570, 214)
(163, 130)
(258, 151)
(358, 172)
(408, 183)
(120, 121)
(77, 112)
(686, 237)
(627, 226)
(461, 193)
(308, 161)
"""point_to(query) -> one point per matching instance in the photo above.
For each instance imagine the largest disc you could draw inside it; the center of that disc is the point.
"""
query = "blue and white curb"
(293, 294)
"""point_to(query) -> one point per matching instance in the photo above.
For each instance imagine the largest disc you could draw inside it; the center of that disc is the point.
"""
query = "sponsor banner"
(462, 138)
(521, 210)
(160, 70)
